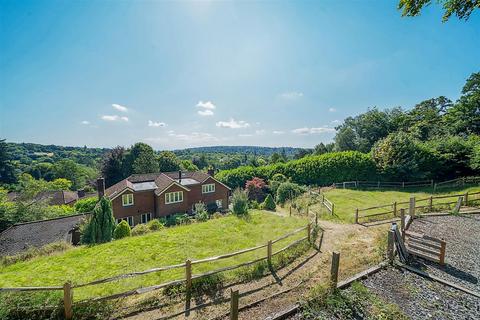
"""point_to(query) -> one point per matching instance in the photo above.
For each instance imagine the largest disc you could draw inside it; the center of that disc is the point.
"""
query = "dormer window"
(127, 199)
(208, 188)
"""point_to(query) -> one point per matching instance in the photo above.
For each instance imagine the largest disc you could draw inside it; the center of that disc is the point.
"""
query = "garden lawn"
(162, 248)
(346, 200)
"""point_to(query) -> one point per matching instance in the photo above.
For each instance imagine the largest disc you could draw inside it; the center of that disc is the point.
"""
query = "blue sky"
(181, 74)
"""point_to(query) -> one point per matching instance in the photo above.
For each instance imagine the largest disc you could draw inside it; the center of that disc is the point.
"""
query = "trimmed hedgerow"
(315, 170)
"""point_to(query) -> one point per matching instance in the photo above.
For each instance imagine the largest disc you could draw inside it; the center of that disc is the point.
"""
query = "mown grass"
(166, 247)
(347, 200)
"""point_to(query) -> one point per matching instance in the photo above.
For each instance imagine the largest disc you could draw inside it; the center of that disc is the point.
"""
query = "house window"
(219, 203)
(208, 188)
(146, 217)
(127, 199)
(128, 219)
(173, 197)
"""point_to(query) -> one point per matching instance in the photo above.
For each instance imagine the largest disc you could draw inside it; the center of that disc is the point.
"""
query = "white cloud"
(156, 124)
(114, 118)
(244, 135)
(332, 110)
(232, 124)
(206, 112)
(336, 121)
(260, 132)
(206, 105)
(291, 95)
(305, 130)
(278, 132)
(85, 122)
(120, 107)
(193, 137)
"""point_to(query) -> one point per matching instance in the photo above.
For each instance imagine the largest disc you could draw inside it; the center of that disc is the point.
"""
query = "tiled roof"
(162, 180)
(54, 197)
(20, 237)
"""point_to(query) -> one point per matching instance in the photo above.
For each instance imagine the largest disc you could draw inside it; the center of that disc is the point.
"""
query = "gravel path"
(420, 298)
(462, 234)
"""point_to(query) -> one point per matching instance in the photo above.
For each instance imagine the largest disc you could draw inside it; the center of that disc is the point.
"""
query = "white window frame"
(173, 197)
(129, 220)
(127, 200)
(146, 217)
(208, 188)
(219, 203)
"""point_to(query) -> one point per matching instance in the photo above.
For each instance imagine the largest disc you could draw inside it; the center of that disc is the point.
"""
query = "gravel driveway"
(420, 298)
(462, 258)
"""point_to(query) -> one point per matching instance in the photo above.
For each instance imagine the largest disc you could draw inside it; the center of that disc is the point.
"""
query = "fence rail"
(407, 184)
(187, 265)
(412, 206)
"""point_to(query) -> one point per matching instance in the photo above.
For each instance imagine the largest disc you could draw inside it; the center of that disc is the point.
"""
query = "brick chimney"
(179, 176)
(211, 172)
(100, 187)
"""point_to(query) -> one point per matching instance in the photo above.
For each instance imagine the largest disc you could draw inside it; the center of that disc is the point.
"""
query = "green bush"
(155, 225)
(239, 202)
(253, 204)
(85, 205)
(269, 204)
(181, 218)
(288, 191)
(201, 213)
(279, 177)
(122, 230)
(140, 229)
(315, 170)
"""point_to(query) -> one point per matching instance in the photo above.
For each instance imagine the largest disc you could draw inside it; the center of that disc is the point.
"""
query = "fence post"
(188, 285)
(316, 218)
(443, 245)
(356, 216)
(68, 300)
(269, 252)
(402, 222)
(378, 184)
(309, 231)
(434, 187)
(344, 185)
(465, 198)
(234, 304)
(430, 204)
(411, 209)
(395, 209)
(390, 245)
(403, 184)
(334, 270)
(290, 208)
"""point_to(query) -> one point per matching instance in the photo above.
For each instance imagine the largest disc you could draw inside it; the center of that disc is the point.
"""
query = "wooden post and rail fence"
(68, 287)
(391, 210)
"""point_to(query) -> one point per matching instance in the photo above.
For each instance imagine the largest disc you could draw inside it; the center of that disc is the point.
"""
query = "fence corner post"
(234, 304)
(334, 270)
(356, 216)
(68, 300)
(333, 209)
(411, 209)
(402, 222)
(390, 245)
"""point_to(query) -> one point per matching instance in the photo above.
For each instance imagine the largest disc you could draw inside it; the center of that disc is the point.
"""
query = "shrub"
(279, 177)
(155, 225)
(269, 204)
(217, 215)
(239, 202)
(181, 218)
(85, 205)
(212, 207)
(253, 204)
(201, 213)
(288, 191)
(256, 189)
(122, 230)
(140, 229)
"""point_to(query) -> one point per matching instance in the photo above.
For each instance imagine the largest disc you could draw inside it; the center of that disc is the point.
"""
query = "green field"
(162, 248)
(346, 200)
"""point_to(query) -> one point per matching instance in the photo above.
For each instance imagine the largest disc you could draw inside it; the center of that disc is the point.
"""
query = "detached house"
(142, 197)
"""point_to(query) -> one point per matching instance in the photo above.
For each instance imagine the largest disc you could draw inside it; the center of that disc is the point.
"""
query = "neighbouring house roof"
(55, 197)
(22, 236)
(158, 182)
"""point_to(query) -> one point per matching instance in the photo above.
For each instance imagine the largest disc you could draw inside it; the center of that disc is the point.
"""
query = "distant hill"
(249, 150)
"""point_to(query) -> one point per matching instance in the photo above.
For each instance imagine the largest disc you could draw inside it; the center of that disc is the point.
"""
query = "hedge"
(314, 170)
